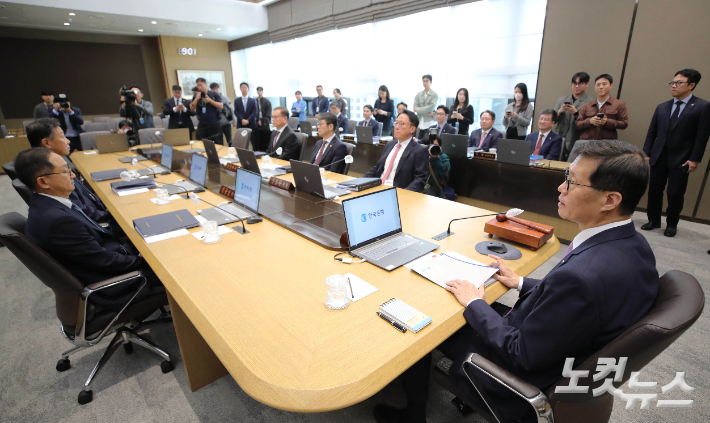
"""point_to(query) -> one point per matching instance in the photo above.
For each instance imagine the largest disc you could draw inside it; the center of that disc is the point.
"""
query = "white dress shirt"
(62, 200)
(177, 103)
(601, 103)
(390, 178)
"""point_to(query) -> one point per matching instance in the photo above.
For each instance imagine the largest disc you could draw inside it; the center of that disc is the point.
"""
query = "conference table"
(252, 305)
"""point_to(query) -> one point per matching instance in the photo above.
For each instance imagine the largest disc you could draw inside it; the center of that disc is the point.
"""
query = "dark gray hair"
(329, 119)
(621, 167)
(32, 163)
(40, 129)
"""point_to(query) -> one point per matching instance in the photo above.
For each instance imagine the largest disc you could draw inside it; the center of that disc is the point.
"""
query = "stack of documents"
(164, 223)
(448, 266)
(133, 185)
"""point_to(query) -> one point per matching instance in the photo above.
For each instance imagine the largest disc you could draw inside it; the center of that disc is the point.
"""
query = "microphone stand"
(139, 162)
(241, 230)
(448, 232)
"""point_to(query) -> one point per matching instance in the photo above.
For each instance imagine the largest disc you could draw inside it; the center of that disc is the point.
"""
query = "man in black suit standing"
(486, 137)
(283, 137)
(246, 112)
(606, 281)
(404, 162)
(674, 147)
(178, 110)
(329, 149)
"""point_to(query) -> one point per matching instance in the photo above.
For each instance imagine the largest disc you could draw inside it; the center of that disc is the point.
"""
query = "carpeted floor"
(133, 389)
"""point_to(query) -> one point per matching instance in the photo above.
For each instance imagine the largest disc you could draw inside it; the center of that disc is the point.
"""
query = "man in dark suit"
(674, 147)
(340, 118)
(70, 120)
(246, 112)
(329, 149)
(546, 143)
(178, 111)
(442, 115)
(605, 283)
(264, 120)
(320, 103)
(486, 137)
(404, 162)
(369, 121)
(64, 231)
(283, 137)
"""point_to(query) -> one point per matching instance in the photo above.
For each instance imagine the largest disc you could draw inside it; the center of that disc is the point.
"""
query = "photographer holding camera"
(143, 108)
(70, 120)
(207, 106)
(439, 166)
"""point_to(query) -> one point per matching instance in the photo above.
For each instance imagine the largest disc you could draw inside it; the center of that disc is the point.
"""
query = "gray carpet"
(133, 389)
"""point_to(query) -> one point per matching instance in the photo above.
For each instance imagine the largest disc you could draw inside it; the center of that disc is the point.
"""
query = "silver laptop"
(514, 151)
(247, 159)
(198, 173)
(363, 134)
(246, 200)
(213, 155)
(176, 137)
(306, 127)
(454, 145)
(307, 179)
(375, 231)
(111, 143)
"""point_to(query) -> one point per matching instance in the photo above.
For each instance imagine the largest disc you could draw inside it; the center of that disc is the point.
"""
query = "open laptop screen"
(198, 169)
(246, 189)
(372, 217)
(166, 158)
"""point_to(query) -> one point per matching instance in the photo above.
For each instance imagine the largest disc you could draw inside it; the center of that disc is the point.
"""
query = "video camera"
(128, 95)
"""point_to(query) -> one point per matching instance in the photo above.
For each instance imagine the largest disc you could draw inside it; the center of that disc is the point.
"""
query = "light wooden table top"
(257, 299)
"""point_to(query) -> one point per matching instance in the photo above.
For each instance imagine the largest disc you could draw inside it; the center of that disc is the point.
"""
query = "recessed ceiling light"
(66, 23)
(72, 14)
(219, 29)
(199, 35)
(154, 22)
(140, 30)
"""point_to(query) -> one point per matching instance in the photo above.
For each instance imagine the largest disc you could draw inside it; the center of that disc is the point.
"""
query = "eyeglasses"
(578, 84)
(569, 182)
(402, 124)
(676, 83)
(66, 171)
(440, 114)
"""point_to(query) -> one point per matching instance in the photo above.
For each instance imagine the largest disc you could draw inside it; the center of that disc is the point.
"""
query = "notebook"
(164, 223)
(404, 314)
(107, 175)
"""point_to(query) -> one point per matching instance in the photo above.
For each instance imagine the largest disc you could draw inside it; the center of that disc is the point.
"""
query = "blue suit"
(491, 140)
(322, 105)
(250, 113)
(375, 125)
(447, 129)
(334, 152)
(550, 149)
(343, 123)
(412, 170)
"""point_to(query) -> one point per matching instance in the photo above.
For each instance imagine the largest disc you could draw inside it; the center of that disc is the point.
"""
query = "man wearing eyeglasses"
(65, 232)
(606, 281)
(441, 115)
(568, 110)
(674, 147)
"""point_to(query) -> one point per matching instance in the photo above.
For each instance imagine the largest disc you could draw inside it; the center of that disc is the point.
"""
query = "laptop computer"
(454, 145)
(213, 156)
(247, 159)
(198, 172)
(306, 176)
(176, 137)
(111, 143)
(166, 163)
(363, 134)
(514, 152)
(306, 127)
(246, 200)
(375, 231)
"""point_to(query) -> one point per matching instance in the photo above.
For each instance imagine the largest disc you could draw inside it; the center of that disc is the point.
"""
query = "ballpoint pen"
(352, 294)
(392, 322)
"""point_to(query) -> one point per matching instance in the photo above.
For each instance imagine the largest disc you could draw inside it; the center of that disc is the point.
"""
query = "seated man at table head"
(401, 107)
(606, 281)
(404, 162)
(442, 115)
(342, 120)
(369, 121)
(330, 149)
(486, 137)
(545, 142)
(47, 133)
(283, 136)
(65, 232)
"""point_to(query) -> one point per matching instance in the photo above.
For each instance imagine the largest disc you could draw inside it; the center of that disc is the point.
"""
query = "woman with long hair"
(384, 109)
(461, 112)
(518, 114)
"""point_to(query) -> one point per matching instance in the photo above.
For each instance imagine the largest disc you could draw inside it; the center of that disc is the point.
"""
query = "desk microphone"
(196, 199)
(348, 159)
(509, 213)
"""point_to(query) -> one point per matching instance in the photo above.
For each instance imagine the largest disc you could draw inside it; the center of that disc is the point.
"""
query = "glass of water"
(231, 152)
(322, 175)
(337, 296)
(162, 195)
(210, 234)
(265, 160)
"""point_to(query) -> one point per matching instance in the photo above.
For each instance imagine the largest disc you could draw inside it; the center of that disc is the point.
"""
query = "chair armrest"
(97, 286)
(524, 390)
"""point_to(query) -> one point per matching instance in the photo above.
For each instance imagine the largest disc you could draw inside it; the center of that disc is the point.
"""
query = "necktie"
(244, 103)
(389, 168)
(676, 113)
(276, 138)
(483, 137)
(320, 153)
(440, 128)
(569, 250)
(538, 145)
(96, 225)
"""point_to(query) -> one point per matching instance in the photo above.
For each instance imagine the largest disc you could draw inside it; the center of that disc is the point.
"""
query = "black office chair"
(679, 303)
(241, 138)
(9, 169)
(302, 140)
(350, 148)
(84, 321)
(23, 190)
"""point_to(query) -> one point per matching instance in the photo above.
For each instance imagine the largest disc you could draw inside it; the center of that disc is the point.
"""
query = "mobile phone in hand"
(567, 103)
(600, 115)
(685, 168)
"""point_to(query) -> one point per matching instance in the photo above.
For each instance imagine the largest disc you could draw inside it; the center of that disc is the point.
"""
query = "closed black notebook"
(133, 184)
(165, 222)
(360, 184)
(130, 159)
(107, 175)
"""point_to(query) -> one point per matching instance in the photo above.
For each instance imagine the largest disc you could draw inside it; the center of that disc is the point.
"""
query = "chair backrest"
(293, 123)
(97, 126)
(241, 138)
(313, 121)
(678, 305)
(88, 139)
(350, 148)
(351, 126)
(66, 287)
(4, 130)
(102, 119)
(113, 123)
(23, 190)
(149, 136)
(158, 122)
(302, 138)
(9, 169)
(25, 123)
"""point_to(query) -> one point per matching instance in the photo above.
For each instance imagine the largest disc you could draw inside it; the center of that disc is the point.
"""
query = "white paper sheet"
(220, 230)
(125, 192)
(362, 289)
(91, 152)
(167, 235)
(441, 268)
(172, 197)
(328, 182)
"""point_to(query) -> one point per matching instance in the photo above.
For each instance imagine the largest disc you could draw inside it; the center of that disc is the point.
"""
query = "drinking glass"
(337, 297)
(210, 233)
(162, 195)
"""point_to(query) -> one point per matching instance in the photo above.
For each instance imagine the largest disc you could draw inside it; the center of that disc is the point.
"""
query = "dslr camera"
(434, 149)
(128, 94)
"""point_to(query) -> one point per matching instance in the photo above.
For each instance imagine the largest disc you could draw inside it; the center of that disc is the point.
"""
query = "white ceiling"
(183, 18)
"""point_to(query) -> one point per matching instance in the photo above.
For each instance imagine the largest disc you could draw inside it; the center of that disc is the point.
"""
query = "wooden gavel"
(528, 224)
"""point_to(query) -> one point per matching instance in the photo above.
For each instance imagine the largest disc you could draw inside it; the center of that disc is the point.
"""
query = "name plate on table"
(348, 137)
(231, 166)
(226, 191)
(485, 155)
(280, 183)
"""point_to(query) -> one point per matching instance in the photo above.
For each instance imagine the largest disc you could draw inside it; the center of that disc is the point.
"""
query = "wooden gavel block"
(519, 233)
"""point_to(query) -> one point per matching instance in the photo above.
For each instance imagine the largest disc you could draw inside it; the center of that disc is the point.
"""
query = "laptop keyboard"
(232, 209)
(388, 247)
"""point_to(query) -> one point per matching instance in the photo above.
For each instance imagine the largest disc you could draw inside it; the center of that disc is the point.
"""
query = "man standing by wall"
(70, 120)
(600, 118)
(178, 110)
(568, 109)
(224, 123)
(674, 147)
(264, 119)
(424, 104)
(43, 109)
(207, 107)
(245, 112)
(144, 108)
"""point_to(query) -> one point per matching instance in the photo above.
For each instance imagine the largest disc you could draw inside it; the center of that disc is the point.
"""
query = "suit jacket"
(322, 105)
(491, 140)
(264, 105)
(89, 203)
(686, 140)
(76, 119)
(602, 287)
(374, 124)
(550, 149)
(335, 151)
(174, 117)
(425, 104)
(287, 141)
(412, 170)
(343, 123)
(448, 129)
(249, 114)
